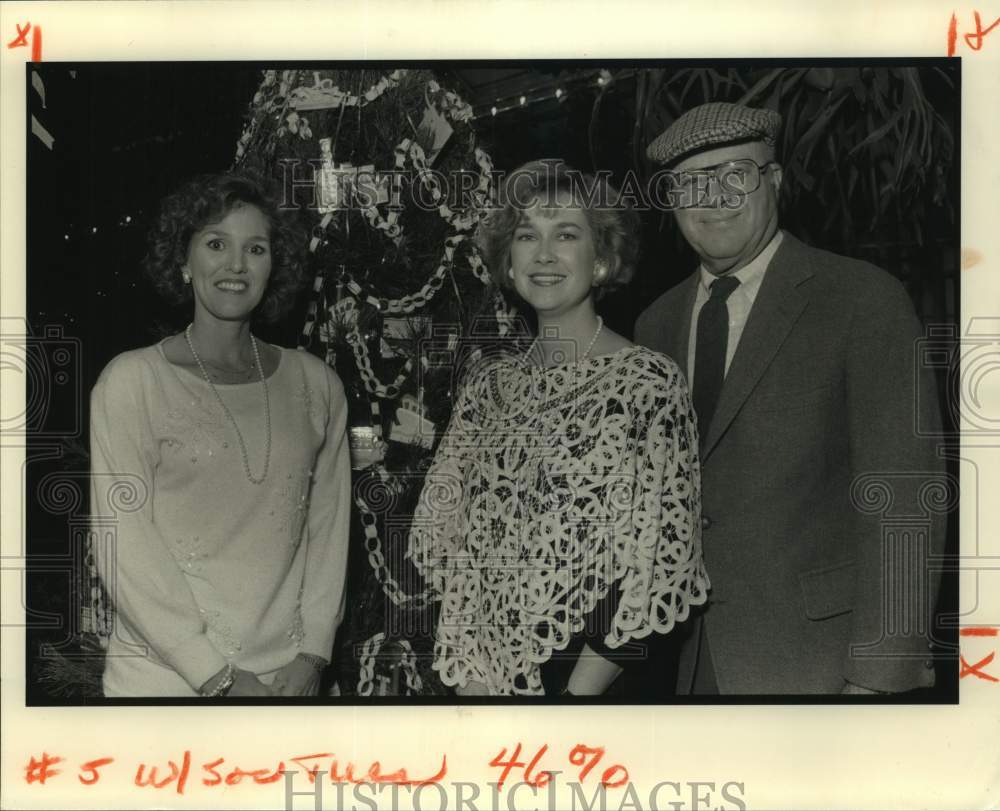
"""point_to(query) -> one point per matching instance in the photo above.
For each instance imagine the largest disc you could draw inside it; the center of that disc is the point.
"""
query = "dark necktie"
(710, 351)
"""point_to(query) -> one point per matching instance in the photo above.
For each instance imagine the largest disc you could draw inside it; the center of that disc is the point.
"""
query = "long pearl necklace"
(586, 352)
(241, 375)
(267, 408)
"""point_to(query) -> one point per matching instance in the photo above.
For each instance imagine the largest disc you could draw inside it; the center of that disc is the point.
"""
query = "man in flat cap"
(802, 373)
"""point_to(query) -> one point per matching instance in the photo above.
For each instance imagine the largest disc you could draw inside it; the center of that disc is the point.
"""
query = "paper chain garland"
(323, 94)
(373, 545)
(97, 617)
(364, 364)
(270, 78)
(451, 104)
(411, 303)
(407, 148)
(407, 663)
(312, 312)
(454, 108)
(347, 312)
(456, 220)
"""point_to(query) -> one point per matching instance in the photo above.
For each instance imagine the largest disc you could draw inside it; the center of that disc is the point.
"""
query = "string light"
(550, 92)
(128, 218)
(93, 230)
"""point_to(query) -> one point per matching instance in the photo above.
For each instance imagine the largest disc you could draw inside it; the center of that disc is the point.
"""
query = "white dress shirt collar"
(751, 274)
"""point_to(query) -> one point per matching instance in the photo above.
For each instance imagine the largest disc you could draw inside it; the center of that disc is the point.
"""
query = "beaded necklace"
(586, 352)
(239, 434)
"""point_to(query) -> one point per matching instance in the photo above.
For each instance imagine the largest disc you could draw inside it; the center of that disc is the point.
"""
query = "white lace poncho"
(549, 488)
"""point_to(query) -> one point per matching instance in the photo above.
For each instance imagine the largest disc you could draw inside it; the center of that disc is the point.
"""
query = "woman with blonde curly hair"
(227, 571)
(560, 520)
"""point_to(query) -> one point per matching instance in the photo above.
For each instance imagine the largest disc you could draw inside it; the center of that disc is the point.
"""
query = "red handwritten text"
(579, 757)
(178, 774)
(218, 772)
(38, 771)
(92, 767)
(586, 757)
(350, 774)
(511, 763)
(978, 668)
(973, 39)
(21, 40)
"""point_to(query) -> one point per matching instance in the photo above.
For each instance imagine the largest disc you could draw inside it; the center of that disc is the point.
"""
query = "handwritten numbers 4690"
(585, 757)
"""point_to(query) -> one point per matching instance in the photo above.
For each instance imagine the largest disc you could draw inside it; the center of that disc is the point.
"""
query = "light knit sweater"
(203, 566)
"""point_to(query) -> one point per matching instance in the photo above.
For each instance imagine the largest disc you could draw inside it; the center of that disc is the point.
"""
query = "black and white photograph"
(428, 404)
(527, 381)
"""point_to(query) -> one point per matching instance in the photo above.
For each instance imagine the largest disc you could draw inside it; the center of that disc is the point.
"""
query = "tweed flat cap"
(712, 125)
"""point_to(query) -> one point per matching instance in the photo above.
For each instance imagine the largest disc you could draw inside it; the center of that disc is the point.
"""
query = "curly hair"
(207, 199)
(613, 223)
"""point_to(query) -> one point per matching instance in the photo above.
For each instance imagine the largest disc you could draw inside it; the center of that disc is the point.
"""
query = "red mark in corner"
(977, 669)
(38, 771)
(974, 39)
(21, 40)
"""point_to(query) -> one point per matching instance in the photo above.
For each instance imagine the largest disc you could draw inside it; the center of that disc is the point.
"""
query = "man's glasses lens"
(725, 183)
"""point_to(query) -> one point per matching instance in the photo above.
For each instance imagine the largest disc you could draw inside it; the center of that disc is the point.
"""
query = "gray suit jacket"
(818, 495)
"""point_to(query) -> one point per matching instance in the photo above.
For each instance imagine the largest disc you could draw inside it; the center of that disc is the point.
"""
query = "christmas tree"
(385, 168)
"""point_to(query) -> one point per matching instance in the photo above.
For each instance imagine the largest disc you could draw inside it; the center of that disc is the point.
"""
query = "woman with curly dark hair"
(560, 519)
(227, 569)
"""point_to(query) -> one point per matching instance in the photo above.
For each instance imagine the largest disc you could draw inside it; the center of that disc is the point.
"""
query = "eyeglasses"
(733, 180)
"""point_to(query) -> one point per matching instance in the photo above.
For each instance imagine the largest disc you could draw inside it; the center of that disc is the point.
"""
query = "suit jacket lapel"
(778, 305)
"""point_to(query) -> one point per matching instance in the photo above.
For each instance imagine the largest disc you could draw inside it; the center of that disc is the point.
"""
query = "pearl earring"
(186, 277)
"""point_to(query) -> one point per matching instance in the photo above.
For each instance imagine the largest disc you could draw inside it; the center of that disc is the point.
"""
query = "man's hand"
(298, 678)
